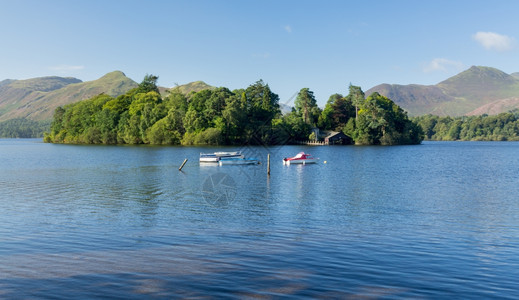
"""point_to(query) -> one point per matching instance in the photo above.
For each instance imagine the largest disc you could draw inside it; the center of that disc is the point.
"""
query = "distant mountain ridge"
(469, 92)
(37, 98)
(478, 90)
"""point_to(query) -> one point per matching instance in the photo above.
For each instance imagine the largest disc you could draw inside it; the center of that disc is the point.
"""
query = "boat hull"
(299, 161)
(210, 159)
(217, 156)
(238, 161)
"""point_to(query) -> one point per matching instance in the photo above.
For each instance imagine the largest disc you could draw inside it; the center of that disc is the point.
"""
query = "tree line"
(23, 128)
(501, 127)
(220, 116)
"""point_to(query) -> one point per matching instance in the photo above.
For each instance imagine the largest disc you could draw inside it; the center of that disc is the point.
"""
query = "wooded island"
(222, 117)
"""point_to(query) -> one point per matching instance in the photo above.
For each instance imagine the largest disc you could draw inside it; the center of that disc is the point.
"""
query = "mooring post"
(185, 161)
(268, 164)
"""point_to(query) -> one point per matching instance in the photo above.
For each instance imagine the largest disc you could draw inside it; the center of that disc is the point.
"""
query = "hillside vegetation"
(23, 128)
(37, 98)
(501, 127)
(466, 93)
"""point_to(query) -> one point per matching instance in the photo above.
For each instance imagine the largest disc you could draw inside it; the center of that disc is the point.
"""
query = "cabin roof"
(335, 133)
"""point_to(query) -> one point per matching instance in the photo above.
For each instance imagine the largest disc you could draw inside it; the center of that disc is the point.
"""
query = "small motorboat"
(237, 161)
(300, 158)
(216, 156)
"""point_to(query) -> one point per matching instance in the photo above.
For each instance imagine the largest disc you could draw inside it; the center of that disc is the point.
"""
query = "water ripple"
(432, 221)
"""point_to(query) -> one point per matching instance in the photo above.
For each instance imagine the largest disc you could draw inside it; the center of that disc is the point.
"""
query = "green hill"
(37, 98)
(17, 94)
(414, 98)
(195, 86)
(468, 92)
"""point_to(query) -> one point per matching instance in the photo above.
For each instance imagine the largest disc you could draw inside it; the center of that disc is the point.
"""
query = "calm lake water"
(438, 220)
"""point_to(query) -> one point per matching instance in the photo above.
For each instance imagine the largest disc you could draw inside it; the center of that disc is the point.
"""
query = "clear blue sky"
(322, 45)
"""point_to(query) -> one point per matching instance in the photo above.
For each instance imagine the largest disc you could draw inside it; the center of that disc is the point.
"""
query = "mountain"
(414, 98)
(195, 86)
(478, 90)
(37, 98)
(496, 107)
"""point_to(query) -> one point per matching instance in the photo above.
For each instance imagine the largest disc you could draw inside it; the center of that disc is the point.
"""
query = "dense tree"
(356, 96)
(501, 127)
(296, 129)
(176, 100)
(234, 118)
(380, 121)
(261, 106)
(148, 84)
(325, 119)
(220, 116)
(168, 130)
(306, 107)
(336, 113)
(23, 128)
(106, 122)
(215, 104)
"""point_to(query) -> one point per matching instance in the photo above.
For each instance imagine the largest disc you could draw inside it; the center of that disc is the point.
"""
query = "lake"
(437, 220)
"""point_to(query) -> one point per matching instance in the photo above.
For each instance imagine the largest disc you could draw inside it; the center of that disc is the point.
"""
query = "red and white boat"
(300, 158)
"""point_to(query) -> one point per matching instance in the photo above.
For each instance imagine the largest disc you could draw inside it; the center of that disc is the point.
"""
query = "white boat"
(216, 156)
(229, 154)
(300, 158)
(208, 158)
(238, 161)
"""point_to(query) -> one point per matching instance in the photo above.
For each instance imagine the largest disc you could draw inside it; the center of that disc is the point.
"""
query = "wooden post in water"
(268, 164)
(185, 161)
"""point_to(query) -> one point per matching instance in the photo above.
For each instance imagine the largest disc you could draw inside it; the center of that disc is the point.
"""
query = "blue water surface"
(437, 220)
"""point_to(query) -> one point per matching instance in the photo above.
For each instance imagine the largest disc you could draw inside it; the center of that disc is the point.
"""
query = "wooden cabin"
(338, 138)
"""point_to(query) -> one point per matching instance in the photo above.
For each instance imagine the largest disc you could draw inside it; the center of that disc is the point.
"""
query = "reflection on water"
(429, 221)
